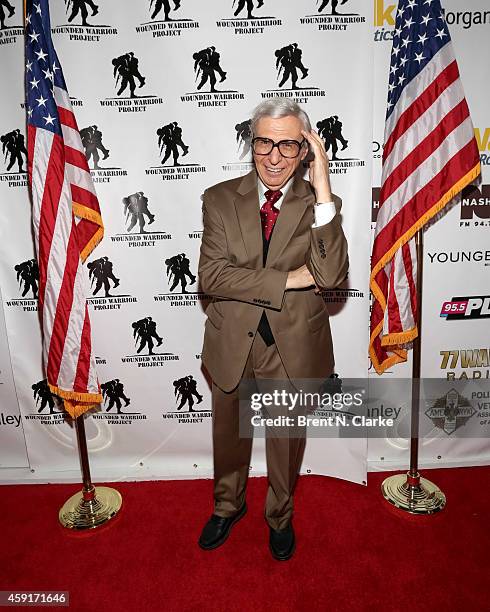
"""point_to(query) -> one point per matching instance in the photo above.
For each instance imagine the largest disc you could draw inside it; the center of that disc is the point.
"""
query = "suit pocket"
(318, 320)
(214, 317)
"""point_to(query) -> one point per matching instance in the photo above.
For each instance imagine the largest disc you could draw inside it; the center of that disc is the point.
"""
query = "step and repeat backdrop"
(163, 91)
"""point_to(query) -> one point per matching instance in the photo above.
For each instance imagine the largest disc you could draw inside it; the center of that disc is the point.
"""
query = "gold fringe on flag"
(395, 341)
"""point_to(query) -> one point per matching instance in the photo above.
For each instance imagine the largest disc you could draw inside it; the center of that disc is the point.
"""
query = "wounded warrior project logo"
(79, 12)
(128, 79)
(207, 69)
(48, 406)
(330, 130)
(101, 275)
(15, 159)
(179, 277)
(450, 412)
(112, 409)
(27, 276)
(146, 338)
(166, 19)
(185, 394)
(244, 20)
(91, 137)
(172, 147)
(136, 214)
(8, 31)
(330, 18)
(290, 68)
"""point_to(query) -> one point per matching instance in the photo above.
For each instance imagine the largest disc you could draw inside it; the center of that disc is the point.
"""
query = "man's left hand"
(319, 172)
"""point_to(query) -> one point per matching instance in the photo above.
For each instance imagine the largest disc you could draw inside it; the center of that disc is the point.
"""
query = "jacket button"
(250, 334)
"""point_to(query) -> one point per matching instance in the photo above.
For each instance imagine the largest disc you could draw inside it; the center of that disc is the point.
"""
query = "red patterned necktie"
(269, 213)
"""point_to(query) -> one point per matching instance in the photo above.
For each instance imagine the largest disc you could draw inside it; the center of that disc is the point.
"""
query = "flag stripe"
(74, 339)
(421, 104)
(410, 263)
(83, 365)
(398, 226)
(67, 118)
(48, 192)
(394, 319)
(72, 138)
(77, 159)
(423, 126)
(64, 307)
(425, 149)
(80, 179)
(423, 175)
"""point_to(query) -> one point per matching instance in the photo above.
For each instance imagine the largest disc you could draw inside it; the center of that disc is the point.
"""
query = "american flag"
(66, 218)
(430, 155)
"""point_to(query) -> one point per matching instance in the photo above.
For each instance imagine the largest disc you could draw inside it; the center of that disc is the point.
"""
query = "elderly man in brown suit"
(271, 240)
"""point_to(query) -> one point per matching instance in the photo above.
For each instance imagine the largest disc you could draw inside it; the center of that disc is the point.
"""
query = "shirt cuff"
(324, 213)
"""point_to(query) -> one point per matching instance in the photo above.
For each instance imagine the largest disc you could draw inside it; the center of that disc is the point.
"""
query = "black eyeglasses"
(287, 148)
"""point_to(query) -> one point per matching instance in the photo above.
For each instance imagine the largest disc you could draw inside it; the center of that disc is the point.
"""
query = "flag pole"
(410, 492)
(92, 506)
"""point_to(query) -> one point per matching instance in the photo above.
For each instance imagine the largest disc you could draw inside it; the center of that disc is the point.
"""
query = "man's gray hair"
(279, 107)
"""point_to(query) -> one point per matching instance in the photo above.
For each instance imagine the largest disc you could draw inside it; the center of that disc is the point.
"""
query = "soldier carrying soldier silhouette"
(113, 390)
(28, 275)
(334, 6)
(165, 4)
(288, 61)
(11, 10)
(80, 6)
(330, 129)
(92, 142)
(135, 208)
(244, 137)
(250, 6)
(206, 65)
(101, 270)
(178, 268)
(184, 390)
(126, 67)
(170, 137)
(13, 146)
(43, 396)
(144, 332)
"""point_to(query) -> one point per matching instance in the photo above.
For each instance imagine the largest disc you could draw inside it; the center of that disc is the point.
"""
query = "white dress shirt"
(324, 212)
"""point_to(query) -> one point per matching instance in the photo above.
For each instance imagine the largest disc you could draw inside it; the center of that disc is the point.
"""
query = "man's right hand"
(299, 278)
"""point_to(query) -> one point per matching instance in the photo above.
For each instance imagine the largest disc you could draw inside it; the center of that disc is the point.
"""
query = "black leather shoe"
(218, 528)
(282, 543)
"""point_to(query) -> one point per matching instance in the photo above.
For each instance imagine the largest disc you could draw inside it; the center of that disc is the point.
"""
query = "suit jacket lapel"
(248, 213)
(292, 210)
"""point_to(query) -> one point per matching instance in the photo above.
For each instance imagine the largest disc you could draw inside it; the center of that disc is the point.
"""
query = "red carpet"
(354, 552)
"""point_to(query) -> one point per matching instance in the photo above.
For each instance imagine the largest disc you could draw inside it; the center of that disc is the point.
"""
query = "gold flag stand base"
(413, 494)
(93, 506)
(90, 509)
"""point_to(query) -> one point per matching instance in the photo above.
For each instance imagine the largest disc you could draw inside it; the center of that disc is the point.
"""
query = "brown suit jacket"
(231, 270)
